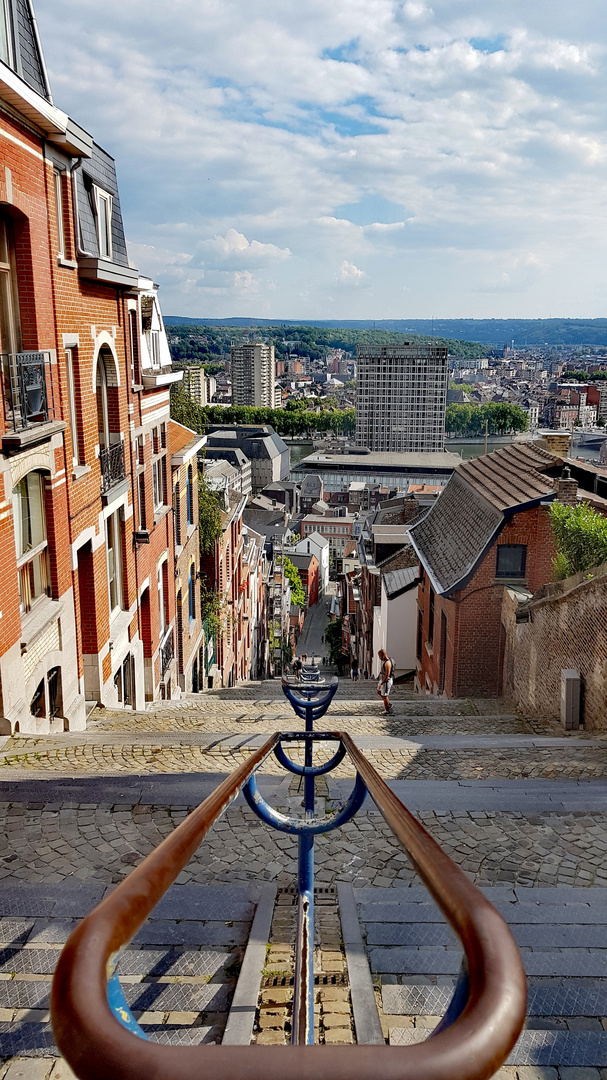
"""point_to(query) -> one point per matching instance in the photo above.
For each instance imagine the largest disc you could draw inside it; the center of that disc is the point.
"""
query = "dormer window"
(103, 211)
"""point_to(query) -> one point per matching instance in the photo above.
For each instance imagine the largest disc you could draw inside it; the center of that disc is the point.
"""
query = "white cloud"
(235, 248)
(350, 274)
(238, 133)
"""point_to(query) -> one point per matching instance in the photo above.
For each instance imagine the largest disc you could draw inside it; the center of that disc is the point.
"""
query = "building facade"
(253, 379)
(185, 446)
(401, 398)
(88, 604)
(489, 531)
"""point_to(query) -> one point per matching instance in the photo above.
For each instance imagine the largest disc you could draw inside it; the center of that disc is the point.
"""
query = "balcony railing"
(25, 387)
(166, 652)
(111, 459)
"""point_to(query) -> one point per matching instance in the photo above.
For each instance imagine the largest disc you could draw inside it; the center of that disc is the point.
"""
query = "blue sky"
(356, 159)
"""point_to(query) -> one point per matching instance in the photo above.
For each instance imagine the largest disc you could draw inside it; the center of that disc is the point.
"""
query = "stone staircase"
(562, 935)
(178, 975)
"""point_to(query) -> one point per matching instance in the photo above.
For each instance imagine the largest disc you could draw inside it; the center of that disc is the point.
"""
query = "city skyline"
(383, 160)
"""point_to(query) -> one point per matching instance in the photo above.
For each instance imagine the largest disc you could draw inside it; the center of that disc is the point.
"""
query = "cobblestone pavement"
(98, 842)
(581, 761)
(82, 809)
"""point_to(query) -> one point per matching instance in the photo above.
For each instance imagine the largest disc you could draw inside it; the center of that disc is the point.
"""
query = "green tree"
(581, 538)
(298, 596)
(209, 515)
(467, 419)
(186, 411)
(333, 639)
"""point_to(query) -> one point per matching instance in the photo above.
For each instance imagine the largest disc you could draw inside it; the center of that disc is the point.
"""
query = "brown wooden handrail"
(98, 1047)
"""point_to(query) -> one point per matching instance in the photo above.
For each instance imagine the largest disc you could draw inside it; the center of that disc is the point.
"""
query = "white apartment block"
(401, 397)
(253, 374)
(196, 383)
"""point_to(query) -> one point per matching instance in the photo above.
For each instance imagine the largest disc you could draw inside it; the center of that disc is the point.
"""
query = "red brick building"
(184, 446)
(225, 573)
(308, 572)
(489, 530)
(86, 531)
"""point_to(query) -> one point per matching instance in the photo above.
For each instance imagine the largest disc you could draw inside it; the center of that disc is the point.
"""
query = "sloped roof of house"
(455, 534)
(399, 581)
(183, 442)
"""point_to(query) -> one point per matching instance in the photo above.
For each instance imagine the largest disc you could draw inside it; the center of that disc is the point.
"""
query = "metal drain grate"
(291, 891)
(331, 979)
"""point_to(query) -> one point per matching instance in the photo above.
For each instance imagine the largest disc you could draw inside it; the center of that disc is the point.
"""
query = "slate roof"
(509, 477)
(99, 169)
(399, 581)
(28, 50)
(454, 535)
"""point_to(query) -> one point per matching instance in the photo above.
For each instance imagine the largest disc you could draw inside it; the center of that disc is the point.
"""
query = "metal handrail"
(485, 1025)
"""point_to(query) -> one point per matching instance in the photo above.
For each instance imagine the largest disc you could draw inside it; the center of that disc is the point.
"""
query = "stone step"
(564, 1049)
(559, 936)
(438, 960)
(568, 997)
(536, 914)
(179, 982)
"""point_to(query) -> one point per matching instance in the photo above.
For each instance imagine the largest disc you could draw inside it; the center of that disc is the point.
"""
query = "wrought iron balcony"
(166, 653)
(25, 386)
(113, 470)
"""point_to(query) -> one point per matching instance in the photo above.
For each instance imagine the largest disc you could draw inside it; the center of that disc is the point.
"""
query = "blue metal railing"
(476, 1033)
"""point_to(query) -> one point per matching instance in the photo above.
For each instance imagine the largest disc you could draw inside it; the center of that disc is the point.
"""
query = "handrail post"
(302, 1021)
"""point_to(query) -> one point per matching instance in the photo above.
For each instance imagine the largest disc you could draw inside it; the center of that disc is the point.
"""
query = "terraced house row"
(99, 563)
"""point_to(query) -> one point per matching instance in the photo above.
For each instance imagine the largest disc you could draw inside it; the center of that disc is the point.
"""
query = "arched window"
(30, 539)
(192, 592)
(103, 416)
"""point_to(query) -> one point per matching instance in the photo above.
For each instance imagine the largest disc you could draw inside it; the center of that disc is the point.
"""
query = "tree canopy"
(581, 538)
(204, 344)
(504, 419)
(298, 596)
(209, 515)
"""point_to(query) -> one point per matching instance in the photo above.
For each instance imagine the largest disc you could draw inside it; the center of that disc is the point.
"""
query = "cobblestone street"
(518, 805)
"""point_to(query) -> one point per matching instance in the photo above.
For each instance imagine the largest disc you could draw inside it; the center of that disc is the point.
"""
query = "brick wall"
(475, 644)
(565, 629)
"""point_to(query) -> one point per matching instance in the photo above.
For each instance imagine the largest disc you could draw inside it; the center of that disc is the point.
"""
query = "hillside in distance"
(490, 332)
(193, 342)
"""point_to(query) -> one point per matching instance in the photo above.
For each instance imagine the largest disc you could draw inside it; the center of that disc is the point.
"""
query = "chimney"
(566, 488)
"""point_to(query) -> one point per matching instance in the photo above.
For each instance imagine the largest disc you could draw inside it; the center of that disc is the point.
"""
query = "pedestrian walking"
(354, 670)
(297, 666)
(386, 680)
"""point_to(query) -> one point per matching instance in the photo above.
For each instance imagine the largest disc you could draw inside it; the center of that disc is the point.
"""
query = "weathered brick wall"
(474, 650)
(567, 628)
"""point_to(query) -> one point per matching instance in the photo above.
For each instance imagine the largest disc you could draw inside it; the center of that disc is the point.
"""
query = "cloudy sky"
(350, 158)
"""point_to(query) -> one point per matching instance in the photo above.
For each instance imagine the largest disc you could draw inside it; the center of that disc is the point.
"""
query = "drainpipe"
(79, 249)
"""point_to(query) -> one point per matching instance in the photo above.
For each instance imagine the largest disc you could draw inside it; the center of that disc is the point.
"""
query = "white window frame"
(113, 532)
(158, 483)
(162, 619)
(31, 543)
(71, 396)
(105, 244)
(60, 208)
(154, 340)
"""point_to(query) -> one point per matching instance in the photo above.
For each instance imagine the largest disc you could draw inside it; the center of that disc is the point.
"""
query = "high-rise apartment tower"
(253, 374)
(401, 397)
